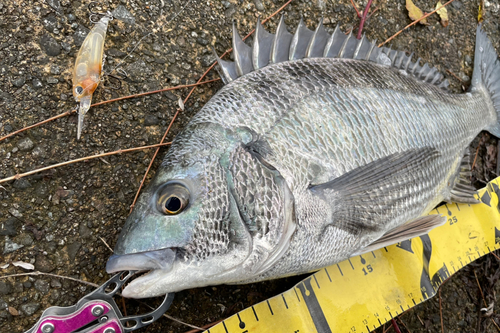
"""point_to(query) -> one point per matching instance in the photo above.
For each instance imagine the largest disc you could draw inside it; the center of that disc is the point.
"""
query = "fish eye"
(172, 199)
(79, 90)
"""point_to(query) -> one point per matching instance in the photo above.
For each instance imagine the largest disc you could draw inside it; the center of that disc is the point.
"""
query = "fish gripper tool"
(97, 312)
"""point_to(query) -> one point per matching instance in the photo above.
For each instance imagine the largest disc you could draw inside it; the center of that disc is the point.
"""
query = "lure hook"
(94, 16)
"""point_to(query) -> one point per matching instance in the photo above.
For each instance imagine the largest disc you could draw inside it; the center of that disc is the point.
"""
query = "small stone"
(52, 80)
(55, 70)
(54, 283)
(79, 35)
(19, 82)
(5, 288)
(10, 246)
(456, 4)
(21, 184)
(202, 41)
(121, 13)
(468, 59)
(3, 304)
(30, 308)
(15, 150)
(25, 144)
(42, 190)
(36, 83)
(27, 284)
(259, 5)
(73, 250)
(42, 286)
(151, 120)
(43, 264)
(54, 4)
(50, 45)
(10, 227)
(85, 232)
(71, 17)
(207, 60)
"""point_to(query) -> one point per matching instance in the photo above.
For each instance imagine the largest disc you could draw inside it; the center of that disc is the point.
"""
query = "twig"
(79, 160)
(455, 76)
(205, 327)
(414, 22)
(355, 8)
(395, 326)
(421, 321)
(109, 247)
(475, 157)
(363, 19)
(403, 323)
(185, 101)
(67, 113)
(53, 275)
(480, 289)
(493, 253)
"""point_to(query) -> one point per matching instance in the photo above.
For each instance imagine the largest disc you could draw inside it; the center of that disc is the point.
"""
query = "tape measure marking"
(381, 286)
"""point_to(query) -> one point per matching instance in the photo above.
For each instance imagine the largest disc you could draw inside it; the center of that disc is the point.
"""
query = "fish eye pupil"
(79, 90)
(173, 204)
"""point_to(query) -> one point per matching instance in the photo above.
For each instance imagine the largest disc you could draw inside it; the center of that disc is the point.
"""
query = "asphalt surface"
(60, 220)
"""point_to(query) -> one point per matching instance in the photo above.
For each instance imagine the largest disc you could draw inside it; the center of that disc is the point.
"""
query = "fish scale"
(318, 159)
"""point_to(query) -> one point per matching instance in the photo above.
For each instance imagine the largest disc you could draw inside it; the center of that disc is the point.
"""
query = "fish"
(88, 68)
(319, 147)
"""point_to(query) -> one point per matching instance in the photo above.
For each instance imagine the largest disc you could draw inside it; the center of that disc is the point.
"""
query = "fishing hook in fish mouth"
(94, 16)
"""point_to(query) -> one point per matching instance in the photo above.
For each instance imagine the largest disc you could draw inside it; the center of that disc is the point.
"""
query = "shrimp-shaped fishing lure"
(88, 67)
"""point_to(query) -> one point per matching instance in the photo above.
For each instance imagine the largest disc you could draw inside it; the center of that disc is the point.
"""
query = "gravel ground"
(61, 219)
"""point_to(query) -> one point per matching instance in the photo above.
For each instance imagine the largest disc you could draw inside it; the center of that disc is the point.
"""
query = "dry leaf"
(13, 311)
(181, 104)
(414, 12)
(443, 14)
(4, 266)
(480, 12)
(23, 264)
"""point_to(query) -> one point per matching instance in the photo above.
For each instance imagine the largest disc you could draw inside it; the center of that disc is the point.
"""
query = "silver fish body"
(298, 165)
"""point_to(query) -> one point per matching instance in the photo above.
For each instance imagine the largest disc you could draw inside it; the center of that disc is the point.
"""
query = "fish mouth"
(143, 261)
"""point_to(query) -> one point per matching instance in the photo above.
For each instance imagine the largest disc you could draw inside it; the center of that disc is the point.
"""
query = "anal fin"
(463, 191)
(417, 227)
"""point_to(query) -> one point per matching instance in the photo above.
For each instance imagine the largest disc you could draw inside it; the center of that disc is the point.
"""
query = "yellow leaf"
(414, 12)
(443, 14)
(480, 14)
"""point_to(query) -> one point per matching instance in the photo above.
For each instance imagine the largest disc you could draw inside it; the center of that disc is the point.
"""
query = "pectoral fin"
(374, 195)
(415, 228)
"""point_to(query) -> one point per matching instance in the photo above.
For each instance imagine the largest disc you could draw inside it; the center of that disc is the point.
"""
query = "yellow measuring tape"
(362, 293)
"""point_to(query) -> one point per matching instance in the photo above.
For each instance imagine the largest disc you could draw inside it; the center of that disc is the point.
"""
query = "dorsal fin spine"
(304, 43)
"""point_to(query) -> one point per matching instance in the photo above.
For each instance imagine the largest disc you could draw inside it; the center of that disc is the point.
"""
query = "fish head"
(185, 229)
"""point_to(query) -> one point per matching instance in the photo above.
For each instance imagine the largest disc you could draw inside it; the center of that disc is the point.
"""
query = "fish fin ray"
(417, 227)
(462, 190)
(305, 43)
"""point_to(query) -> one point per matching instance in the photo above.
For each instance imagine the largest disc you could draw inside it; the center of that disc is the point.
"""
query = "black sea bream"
(318, 148)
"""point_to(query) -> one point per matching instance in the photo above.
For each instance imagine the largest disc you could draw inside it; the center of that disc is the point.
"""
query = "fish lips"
(152, 260)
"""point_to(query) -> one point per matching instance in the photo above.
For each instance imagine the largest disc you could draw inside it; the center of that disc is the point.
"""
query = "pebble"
(55, 4)
(121, 13)
(36, 83)
(10, 227)
(84, 231)
(52, 80)
(71, 17)
(79, 35)
(3, 304)
(73, 250)
(21, 184)
(202, 41)
(30, 308)
(10, 246)
(25, 144)
(55, 70)
(151, 120)
(42, 190)
(54, 283)
(42, 286)
(43, 264)
(5, 288)
(456, 4)
(50, 45)
(259, 5)
(19, 82)
(468, 60)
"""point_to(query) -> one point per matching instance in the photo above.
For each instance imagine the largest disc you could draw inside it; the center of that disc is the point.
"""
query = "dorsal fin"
(283, 46)
(281, 43)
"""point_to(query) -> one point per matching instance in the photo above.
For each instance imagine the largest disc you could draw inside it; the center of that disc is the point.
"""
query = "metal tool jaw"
(97, 312)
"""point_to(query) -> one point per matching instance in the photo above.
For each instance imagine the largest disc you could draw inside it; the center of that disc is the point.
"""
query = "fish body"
(88, 68)
(305, 162)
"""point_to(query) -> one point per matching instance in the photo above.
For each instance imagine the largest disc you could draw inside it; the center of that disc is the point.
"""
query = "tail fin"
(487, 74)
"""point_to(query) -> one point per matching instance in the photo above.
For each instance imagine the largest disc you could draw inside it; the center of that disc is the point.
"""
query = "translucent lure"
(88, 67)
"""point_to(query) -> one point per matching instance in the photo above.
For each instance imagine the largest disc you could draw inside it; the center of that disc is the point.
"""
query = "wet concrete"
(56, 219)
